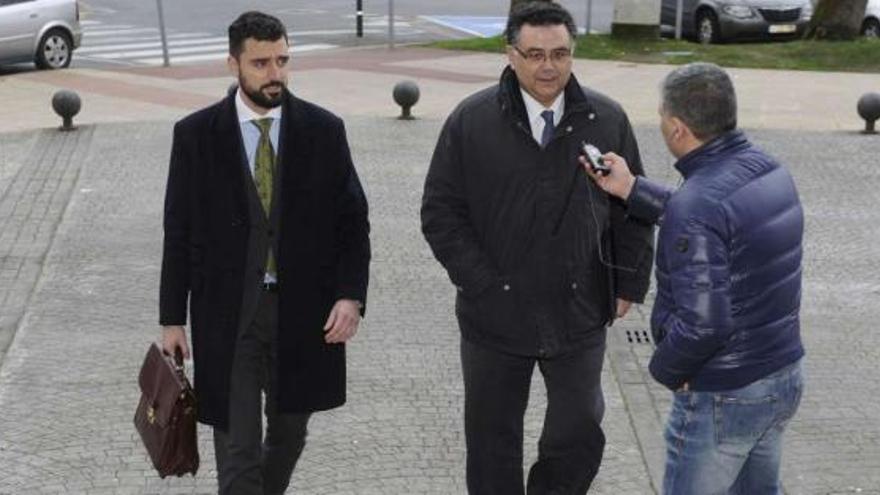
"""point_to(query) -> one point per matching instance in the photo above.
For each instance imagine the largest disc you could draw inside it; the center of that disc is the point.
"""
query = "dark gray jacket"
(519, 228)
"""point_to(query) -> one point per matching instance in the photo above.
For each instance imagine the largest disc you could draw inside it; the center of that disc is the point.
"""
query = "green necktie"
(264, 173)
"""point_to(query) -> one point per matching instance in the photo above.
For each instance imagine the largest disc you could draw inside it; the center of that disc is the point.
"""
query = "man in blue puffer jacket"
(728, 290)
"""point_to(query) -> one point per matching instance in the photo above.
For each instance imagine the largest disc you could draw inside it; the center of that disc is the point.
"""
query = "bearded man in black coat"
(267, 242)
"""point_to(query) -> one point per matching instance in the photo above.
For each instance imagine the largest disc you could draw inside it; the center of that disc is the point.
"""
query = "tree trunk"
(515, 3)
(837, 20)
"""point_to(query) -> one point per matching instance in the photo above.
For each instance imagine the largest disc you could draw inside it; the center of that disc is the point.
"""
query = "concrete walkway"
(359, 81)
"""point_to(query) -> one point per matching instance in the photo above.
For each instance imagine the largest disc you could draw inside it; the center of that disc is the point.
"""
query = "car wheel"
(707, 27)
(55, 50)
(871, 28)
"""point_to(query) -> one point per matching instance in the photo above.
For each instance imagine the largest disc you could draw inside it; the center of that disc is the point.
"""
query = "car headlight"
(738, 11)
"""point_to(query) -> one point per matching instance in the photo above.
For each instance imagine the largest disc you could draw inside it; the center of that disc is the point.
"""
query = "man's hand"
(174, 337)
(623, 307)
(343, 321)
(684, 388)
(619, 182)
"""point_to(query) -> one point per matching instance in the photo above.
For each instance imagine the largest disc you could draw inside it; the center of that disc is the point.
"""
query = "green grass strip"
(862, 55)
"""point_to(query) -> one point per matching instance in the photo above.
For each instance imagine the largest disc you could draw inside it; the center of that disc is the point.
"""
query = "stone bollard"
(66, 104)
(869, 109)
(406, 94)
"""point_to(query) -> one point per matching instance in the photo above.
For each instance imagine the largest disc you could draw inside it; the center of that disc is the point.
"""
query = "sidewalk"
(80, 253)
(359, 82)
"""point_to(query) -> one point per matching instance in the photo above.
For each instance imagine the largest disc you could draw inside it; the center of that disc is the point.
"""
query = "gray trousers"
(247, 462)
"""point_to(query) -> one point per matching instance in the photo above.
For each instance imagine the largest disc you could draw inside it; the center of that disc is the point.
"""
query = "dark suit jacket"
(322, 250)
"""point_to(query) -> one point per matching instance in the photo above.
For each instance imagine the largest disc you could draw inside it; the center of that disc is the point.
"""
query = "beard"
(260, 98)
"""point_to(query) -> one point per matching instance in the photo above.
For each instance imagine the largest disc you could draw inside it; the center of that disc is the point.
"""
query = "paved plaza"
(80, 249)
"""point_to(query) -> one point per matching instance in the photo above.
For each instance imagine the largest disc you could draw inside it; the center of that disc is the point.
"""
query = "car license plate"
(782, 28)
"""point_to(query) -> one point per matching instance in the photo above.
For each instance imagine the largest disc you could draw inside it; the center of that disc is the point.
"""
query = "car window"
(4, 3)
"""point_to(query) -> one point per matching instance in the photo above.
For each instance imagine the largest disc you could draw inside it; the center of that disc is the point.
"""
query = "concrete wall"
(636, 18)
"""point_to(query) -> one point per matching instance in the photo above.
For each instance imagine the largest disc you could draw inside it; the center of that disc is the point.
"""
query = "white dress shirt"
(534, 109)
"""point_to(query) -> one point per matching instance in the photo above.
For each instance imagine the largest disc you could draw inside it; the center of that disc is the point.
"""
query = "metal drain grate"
(638, 337)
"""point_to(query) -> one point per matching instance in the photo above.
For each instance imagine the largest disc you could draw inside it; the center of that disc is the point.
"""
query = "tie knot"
(263, 125)
(547, 115)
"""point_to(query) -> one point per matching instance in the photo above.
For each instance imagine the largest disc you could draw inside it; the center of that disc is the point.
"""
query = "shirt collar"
(245, 114)
(534, 107)
(712, 152)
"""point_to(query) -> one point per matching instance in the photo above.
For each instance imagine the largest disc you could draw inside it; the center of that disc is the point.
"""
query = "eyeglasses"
(536, 56)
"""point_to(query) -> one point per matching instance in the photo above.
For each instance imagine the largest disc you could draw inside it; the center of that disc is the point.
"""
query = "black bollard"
(869, 109)
(406, 94)
(66, 104)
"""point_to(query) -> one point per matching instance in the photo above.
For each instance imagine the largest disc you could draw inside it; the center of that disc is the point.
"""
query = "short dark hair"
(538, 13)
(256, 25)
(702, 96)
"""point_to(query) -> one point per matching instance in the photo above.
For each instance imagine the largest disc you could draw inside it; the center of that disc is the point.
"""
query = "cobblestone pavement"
(33, 195)
(68, 382)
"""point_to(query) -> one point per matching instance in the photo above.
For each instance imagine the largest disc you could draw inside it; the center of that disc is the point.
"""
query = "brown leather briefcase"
(166, 414)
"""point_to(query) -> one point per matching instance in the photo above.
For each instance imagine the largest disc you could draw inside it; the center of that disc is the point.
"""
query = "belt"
(269, 286)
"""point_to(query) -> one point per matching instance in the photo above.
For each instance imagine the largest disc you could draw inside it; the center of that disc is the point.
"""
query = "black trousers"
(496, 396)
(247, 462)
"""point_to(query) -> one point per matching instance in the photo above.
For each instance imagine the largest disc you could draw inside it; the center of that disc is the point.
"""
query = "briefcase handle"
(176, 360)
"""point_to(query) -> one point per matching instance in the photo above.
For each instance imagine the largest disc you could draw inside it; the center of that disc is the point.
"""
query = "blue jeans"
(730, 442)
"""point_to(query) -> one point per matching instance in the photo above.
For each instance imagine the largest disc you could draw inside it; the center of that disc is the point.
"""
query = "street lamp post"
(679, 7)
(391, 24)
(165, 61)
(589, 17)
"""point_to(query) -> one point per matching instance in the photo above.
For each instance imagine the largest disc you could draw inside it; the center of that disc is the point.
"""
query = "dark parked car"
(871, 24)
(43, 31)
(714, 21)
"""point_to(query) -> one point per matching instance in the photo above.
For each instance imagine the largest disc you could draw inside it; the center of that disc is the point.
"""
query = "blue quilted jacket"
(728, 267)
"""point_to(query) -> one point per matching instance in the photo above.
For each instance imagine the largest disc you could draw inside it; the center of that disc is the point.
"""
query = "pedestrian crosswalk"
(482, 26)
(126, 44)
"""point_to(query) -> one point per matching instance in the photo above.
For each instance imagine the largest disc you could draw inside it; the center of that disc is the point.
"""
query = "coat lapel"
(231, 157)
(296, 143)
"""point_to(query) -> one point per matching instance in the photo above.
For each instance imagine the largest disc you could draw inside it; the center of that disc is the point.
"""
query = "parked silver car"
(43, 31)
(714, 21)
(871, 24)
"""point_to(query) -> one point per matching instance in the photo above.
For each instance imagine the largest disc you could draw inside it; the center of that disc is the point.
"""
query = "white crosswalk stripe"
(222, 56)
(122, 49)
(110, 43)
(134, 45)
(91, 33)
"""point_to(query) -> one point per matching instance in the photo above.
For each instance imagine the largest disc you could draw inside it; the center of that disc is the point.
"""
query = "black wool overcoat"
(322, 250)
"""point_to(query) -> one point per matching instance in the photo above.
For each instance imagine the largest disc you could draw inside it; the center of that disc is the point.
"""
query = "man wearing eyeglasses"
(542, 259)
